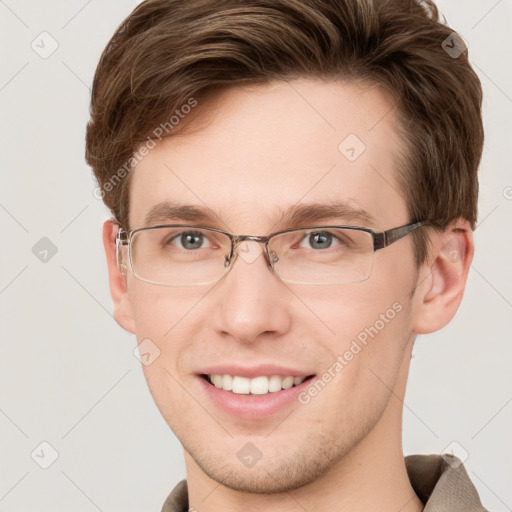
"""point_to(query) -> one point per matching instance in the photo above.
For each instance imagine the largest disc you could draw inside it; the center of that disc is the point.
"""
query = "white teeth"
(287, 382)
(217, 380)
(274, 383)
(259, 386)
(227, 382)
(241, 385)
(256, 386)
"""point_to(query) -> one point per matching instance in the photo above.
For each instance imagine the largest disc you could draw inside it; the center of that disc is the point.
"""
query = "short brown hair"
(169, 51)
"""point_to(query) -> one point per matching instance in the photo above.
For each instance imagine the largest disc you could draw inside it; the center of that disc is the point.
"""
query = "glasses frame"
(380, 241)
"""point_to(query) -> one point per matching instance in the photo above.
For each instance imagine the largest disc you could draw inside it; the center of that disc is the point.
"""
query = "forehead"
(258, 151)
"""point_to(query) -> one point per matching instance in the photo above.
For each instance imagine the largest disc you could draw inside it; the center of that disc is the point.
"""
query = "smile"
(256, 386)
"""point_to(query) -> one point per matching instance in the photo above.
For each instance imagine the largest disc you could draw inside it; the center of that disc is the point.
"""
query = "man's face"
(263, 150)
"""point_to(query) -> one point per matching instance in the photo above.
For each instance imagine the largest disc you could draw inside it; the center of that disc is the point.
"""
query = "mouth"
(260, 385)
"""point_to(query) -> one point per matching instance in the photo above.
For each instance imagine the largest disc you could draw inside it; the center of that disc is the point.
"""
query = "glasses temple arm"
(390, 236)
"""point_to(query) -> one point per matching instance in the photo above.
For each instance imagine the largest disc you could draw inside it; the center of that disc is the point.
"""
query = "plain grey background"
(68, 376)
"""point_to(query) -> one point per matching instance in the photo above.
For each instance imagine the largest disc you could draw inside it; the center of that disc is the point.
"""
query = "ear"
(442, 280)
(122, 308)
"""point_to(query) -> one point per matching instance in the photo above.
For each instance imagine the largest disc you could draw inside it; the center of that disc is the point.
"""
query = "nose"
(251, 302)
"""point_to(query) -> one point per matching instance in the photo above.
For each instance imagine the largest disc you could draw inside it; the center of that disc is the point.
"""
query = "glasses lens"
(179, 256)
(323, 255)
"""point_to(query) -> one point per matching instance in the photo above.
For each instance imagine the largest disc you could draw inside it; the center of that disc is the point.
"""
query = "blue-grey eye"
(320, 240)
(189, 240)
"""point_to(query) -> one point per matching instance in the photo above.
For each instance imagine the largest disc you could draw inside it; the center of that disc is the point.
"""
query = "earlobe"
(117, 281)
(442, 283)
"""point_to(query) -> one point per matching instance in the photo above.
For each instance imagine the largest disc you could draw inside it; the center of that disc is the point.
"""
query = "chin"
(296, 468)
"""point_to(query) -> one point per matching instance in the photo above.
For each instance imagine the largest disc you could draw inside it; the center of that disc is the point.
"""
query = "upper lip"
(253, 371)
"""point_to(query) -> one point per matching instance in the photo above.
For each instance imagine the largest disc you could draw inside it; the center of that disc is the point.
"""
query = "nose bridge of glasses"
(250, 252)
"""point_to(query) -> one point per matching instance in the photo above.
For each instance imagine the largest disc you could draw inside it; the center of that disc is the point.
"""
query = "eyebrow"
(166, 210)
(295, 215)
(322, 212)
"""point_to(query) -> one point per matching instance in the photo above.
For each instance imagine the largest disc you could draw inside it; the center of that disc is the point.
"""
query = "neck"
(372, 476)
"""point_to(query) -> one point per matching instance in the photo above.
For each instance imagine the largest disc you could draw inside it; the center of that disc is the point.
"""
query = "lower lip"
(253, 407)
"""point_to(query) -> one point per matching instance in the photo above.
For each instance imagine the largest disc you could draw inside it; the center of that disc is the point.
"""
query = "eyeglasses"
(185, 255)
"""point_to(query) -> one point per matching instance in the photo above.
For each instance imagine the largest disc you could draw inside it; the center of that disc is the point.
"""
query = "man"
(294, 191)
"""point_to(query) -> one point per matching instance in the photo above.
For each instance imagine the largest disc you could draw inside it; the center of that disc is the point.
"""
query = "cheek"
(165, 333)
(161, 311)
(357, 311)
(367, 326)
(365, 357)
